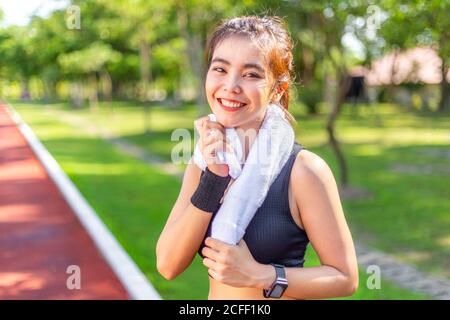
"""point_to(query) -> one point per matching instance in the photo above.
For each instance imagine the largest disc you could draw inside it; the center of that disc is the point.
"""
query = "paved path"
(403, 275)
(40, 237)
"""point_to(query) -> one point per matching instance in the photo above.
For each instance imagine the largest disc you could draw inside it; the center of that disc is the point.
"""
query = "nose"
(232, 84)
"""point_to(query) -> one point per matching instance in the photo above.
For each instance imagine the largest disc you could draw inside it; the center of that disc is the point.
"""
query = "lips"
(230, 105)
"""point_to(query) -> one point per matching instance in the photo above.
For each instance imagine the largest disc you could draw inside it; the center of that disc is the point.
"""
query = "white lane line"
(129, 274)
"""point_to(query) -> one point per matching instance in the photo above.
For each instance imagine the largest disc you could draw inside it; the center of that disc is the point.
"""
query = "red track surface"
(39, 234)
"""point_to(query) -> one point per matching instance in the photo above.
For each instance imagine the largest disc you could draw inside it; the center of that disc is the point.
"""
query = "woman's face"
(237, 83)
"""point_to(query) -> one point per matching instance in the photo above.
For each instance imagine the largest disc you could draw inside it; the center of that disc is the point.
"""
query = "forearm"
(180, 241)
(183, 234)
(310, 283)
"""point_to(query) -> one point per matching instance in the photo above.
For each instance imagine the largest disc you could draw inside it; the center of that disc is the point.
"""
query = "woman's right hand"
(213, 140)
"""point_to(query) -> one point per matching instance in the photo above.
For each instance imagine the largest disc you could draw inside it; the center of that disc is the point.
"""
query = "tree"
(320, 27)
(18, 56)
(88, 63)
(423, 22)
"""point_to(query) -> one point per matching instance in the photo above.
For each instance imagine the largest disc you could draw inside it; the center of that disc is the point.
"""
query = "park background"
(104, 84)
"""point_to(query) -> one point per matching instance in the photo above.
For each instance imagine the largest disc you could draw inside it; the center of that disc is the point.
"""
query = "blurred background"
(104, 84)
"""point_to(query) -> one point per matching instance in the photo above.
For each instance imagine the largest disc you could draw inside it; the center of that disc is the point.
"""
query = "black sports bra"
(272, 235)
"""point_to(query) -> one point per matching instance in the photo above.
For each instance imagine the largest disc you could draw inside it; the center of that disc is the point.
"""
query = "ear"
(279, 91)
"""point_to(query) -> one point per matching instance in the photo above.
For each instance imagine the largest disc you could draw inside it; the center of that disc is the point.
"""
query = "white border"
(129, 274)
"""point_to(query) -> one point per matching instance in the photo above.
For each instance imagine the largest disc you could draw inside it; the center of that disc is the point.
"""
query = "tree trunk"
(76, 94)
(188, 58)
(25, 89)
(93, 92)
(200, 72)
(444, 101)
(329, 88)
(309, 66)
(107, 88)
(144, 55)
(46, 87)
(391, 87)
(341, 89)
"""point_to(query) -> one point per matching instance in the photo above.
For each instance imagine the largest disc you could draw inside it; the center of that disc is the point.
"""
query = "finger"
(213, 148)
(216, 244)
(213, 274)
(211, 254)
(205, 140)
(200, 125)
(214, 125)
(217, 129)
(199, 122)
(208, 139)
(227, 142)
(201, 119)
(215, 133)
(210, 155)
(222, 144)
(209, 263)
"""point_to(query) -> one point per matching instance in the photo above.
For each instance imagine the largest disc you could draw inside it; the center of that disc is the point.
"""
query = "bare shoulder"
(311, 168)
(317, 198)
(313, 182)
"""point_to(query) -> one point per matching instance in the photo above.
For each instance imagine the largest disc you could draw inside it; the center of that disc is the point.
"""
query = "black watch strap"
(280, 284)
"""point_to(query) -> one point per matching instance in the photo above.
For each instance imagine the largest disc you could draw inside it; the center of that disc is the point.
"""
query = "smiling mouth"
(230, 105)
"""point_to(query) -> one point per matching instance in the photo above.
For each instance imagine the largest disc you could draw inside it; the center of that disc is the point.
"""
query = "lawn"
(400, 158)
(133, 199)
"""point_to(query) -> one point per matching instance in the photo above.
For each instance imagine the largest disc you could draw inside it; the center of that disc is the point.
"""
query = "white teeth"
(231, 104)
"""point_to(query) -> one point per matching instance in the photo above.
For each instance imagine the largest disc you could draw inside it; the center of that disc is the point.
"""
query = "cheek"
(259, 93)
(211, 85)
(207, 83)
(209, 88)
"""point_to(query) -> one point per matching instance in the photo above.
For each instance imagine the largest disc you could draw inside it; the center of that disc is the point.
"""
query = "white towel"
(267, 156)
(233, 160)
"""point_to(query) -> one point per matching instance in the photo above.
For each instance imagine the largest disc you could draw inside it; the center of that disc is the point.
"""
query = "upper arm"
(317, 198)
(190, 183)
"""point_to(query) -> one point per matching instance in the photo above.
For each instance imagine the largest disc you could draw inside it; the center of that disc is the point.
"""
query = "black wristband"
(209, 191)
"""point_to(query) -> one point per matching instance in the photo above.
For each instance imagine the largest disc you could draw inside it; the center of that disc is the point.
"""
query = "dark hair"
(270, 34)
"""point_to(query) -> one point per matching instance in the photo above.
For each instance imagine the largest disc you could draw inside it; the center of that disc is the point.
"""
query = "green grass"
(134, 199)
(395, 154)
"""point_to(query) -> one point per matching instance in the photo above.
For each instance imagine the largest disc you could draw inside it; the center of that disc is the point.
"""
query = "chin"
(227, 121)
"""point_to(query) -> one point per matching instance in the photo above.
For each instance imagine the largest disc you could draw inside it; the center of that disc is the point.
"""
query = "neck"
(247, 133)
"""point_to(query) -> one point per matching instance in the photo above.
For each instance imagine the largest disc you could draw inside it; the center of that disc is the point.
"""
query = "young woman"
(249, 66)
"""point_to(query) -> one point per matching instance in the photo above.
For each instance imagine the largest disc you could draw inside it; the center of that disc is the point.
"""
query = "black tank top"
(272, 235)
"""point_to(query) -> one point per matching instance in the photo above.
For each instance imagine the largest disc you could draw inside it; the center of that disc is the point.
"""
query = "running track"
(40, 237)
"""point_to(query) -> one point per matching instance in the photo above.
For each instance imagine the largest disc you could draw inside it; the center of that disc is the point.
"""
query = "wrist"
(210, 191)
(219, 169)
(265, 276)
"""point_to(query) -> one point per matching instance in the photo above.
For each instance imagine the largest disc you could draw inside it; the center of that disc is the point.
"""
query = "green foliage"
(163, 41)
(423, 22)
(88, 60)
(311, 95)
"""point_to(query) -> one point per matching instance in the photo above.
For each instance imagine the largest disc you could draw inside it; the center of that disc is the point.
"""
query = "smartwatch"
(279, 285)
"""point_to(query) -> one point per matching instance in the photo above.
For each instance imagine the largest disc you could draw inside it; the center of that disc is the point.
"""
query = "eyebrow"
(246, 66)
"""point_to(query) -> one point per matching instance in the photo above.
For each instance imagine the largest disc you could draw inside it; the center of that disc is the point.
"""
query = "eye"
(253, 75)
(218, 69)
